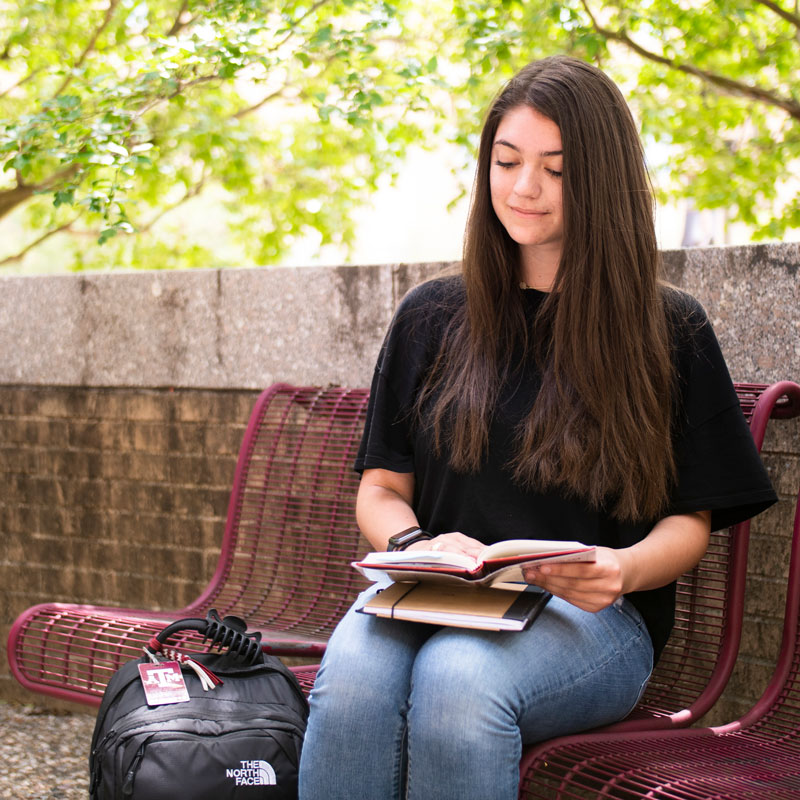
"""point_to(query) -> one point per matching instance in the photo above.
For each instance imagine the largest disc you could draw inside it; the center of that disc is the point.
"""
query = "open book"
(498, 563)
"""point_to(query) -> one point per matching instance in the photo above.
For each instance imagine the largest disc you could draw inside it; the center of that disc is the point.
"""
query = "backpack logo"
(253, 773)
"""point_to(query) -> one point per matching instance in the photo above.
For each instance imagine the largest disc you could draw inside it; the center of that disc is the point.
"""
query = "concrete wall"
(242, 328)
(200, 329)
(123, 398)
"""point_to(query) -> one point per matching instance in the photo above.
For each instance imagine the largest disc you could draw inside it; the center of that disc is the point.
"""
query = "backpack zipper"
(130, 775)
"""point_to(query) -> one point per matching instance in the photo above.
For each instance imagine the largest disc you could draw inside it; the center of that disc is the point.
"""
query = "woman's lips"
(523, 212)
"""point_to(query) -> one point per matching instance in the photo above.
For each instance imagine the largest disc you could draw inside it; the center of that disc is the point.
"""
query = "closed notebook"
(507, 609)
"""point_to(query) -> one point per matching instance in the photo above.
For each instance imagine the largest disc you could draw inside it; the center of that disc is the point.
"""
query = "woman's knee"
(368, 661)
(459, 683)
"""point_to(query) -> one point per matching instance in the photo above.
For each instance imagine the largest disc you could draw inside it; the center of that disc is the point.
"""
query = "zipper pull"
(98, 754)
(130, 777)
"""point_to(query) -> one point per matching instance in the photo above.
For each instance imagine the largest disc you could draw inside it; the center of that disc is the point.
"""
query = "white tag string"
(207, 678)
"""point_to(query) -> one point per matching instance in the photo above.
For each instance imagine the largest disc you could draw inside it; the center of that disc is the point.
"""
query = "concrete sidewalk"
(44, 755)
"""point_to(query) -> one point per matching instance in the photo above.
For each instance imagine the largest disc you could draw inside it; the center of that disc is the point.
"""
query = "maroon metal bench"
(285, 562)
(284, 565)
(757, 756)
(700, 655)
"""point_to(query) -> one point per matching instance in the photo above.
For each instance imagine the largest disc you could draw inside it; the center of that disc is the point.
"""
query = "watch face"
(406, 537)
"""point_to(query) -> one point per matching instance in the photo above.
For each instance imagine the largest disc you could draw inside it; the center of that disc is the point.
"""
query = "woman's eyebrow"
(543, 154)
(507, 144)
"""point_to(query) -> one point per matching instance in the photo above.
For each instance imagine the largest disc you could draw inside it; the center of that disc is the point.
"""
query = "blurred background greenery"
(207, 133)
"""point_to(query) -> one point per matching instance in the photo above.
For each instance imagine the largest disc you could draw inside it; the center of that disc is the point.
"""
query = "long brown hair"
(599, 428)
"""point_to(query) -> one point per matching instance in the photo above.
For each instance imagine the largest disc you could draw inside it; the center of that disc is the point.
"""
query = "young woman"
(556, 389)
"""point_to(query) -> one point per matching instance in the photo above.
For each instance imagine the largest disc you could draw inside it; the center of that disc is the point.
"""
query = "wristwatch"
(410, 535)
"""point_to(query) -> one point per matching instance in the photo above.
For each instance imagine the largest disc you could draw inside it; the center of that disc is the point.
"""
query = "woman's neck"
(539, 269)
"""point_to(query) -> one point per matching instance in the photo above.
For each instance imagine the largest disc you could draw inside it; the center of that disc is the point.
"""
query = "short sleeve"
(386, 442)
(407, 352)
(719, 468)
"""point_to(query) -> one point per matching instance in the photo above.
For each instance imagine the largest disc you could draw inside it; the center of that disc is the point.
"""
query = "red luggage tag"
(163, 683)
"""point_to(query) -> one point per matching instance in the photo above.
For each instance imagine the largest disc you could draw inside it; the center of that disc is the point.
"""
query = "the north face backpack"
(213, 726)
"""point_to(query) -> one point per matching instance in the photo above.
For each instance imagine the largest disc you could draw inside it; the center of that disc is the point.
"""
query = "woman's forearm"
(383, 505)
(674, 546)
(384, 508)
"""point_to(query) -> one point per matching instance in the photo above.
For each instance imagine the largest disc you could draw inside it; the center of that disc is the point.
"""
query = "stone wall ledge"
(246, 328)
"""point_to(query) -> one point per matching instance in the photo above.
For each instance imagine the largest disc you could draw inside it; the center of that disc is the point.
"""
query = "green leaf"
(64, 197)
(106, 234)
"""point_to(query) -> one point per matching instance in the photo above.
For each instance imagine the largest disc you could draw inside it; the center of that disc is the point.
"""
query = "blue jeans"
(410, 710)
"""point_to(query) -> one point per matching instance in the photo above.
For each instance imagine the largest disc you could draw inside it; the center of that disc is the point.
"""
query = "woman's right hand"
(454, 542)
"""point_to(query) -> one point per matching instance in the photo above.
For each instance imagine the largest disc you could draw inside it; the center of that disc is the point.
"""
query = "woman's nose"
(528, 184)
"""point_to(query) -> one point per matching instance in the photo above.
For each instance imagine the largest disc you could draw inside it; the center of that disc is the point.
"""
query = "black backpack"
(238, 740)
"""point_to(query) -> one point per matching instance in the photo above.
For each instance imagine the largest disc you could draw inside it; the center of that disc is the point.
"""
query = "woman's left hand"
(676, 543)
(588, 585)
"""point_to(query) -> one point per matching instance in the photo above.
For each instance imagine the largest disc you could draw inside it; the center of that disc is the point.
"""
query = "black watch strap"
(410, 535)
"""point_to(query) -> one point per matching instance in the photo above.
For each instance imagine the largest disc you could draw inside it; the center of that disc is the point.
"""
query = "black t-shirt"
(719, 468)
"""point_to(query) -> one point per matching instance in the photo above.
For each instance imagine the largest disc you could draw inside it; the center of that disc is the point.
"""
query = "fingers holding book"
(591, 585)
(453, 542)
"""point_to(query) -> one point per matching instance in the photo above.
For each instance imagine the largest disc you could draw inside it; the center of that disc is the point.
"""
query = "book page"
(430, 558)
(443, 567)
(516, 547)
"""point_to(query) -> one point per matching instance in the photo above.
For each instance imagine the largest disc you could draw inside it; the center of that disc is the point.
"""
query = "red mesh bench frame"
(285, 561)
(756, 756)
(701, 653)
(284, 565)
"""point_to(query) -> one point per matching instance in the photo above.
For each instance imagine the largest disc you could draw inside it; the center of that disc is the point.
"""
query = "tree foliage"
(716, 83)
(114, 113)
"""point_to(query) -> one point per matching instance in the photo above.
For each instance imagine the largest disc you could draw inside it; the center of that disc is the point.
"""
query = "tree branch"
(21, 82)
(6, 53)
(792, 19)
(25, 250)
(243, 112)
(15, 196)
(177, 25)
(728, 85)
(302, 17)
(112, 5)
(191, 192)
(182, 87)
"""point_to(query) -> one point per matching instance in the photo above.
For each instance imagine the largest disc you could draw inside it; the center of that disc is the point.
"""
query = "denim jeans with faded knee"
(411, 710)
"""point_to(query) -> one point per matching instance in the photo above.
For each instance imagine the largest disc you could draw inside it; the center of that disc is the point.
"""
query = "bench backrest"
(291, 531)
(285, 563)
(701, 652)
